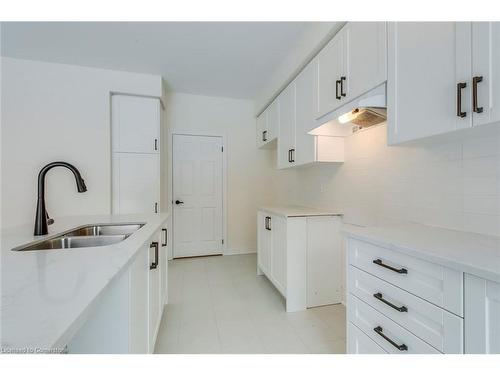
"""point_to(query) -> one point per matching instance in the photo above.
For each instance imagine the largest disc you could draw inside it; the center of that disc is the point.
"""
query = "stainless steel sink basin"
(73, 242)
(85, 236)
(104, 229)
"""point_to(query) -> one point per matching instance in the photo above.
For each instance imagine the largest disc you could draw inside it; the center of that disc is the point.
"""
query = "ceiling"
(231, 59)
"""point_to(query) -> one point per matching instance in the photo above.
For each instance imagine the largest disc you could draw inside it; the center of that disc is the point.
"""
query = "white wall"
(59, 112)
(448, 182)
(251, 178)
(312, 40)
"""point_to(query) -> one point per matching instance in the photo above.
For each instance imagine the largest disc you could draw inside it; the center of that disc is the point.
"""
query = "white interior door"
(197, 195)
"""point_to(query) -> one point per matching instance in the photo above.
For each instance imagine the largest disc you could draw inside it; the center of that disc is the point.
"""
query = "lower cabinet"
(301, 257)
(402, 304)
(126, 317)
(482, 315)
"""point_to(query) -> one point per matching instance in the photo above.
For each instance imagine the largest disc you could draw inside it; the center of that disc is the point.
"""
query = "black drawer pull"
(381, 299)
(154, 265)
(475, 81)
(264, 136)
(401, 347)
(381, 264)
(337, 95)
(342, 79)
(268, 223)
(460, 86)
(166, 237)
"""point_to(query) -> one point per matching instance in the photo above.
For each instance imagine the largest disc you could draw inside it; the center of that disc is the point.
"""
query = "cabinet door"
(154, 292)
(304, 94)
(278, 252)
(486, 64)
(139, 311)
(330, 70)
(426, 61)
(286, 139)
(262, 133)
(273, 119)
(482, 315)
(135, 124)
(366, 57)
(135, 183)
(264, 242)
(163, 268)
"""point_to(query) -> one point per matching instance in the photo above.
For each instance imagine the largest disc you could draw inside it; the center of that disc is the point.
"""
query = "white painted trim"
(241, 252)
(140, 96)
(174, 132)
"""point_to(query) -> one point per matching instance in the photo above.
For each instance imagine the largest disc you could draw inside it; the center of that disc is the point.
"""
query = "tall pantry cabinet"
(135, 154)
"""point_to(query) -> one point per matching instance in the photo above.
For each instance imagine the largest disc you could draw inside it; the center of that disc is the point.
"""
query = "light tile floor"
(219, 305)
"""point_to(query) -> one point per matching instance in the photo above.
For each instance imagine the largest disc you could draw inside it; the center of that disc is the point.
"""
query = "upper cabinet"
(441, 77)
(267, 126)
(286, 139)
(331, 75)
(352, 63)
(365, 47)
(135, 124)
(485, 72)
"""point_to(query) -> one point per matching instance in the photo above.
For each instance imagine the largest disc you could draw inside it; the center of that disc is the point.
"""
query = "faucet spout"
(42, 220)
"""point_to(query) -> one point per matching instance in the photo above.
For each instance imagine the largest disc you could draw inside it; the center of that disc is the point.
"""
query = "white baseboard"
(239, 252)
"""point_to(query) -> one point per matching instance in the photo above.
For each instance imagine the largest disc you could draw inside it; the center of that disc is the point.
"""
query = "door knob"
(179, 202)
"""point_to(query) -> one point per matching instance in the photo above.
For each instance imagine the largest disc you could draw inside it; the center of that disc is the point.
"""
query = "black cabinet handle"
(289, 156)
(381, 264)
(165, 231)
(156, 144)
(381, 299)
(460, 86)
(475, 81)
(156, 207)
(342, 93)
(401, 347)
(337, 95)
(268, 222)
(154, 265)
(179, 202)
(264, 136)
(292, 157)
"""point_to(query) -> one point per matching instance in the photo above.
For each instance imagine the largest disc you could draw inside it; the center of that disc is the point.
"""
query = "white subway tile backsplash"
(455, 184)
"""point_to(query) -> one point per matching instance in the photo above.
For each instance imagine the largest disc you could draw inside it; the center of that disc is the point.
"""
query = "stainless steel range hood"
(367, 110)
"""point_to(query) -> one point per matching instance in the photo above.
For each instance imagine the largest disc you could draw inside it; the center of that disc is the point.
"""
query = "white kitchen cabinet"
(139, 303)
(296, 108)
(426, 62)
(365, 49)
(127, 316)
(267, 126)
(164, 268)
(135, 124)
(286, 139)
(264, 243)
(486, 71)
(482, 315)
(331, 61)
(301, 257)
(154, 291)
(278, 227)
(136, 183)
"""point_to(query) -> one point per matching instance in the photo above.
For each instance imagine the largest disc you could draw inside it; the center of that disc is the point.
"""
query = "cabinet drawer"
(397, 340)
(439, 328)
(437, 284)
(359, 343)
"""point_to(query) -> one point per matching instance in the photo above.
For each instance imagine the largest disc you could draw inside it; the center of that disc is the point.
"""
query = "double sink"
(85, 236)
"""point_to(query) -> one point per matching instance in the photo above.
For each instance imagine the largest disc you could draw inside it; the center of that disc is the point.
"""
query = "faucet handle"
(49, 220)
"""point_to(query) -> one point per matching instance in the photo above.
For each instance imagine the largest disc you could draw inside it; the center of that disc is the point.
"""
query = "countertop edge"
(423, 254)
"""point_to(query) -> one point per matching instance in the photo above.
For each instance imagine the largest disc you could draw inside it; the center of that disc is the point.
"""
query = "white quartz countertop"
(47, 294)
(298, 211)
(463, 251)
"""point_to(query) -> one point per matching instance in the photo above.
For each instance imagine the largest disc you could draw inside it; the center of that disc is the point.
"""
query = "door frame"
(173, 133)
